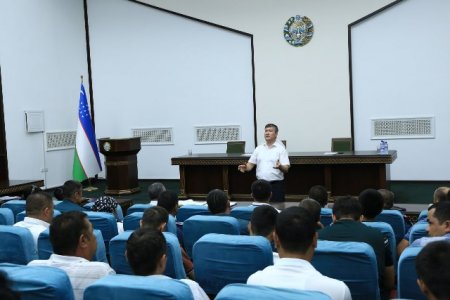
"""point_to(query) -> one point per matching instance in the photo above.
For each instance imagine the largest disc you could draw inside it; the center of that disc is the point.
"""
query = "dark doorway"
(3, 155)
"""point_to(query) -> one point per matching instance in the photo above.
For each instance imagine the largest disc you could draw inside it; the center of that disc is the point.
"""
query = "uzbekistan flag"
(86, 161)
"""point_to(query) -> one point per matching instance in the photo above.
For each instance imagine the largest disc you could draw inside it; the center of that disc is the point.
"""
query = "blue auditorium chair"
(239, 291)
(119, 212)
(132, 222)
(423, 215)
(418, 231)
(38, 282)
(20, 216)
(6, 216)
(387, 231)
(326, 216)
(17, 245)
(174, 264)
(396, 220)
(106, 223)
(197, 226)
(16, 206)
(138, 208)
(221, 259)
(45, 248)
(119, 287)
(407, 287)
(352, 262)
(187, 211)
(243, 214)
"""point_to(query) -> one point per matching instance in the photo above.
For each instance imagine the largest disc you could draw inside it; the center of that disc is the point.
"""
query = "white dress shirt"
(265, 158)
(197, 291)
(35, 226)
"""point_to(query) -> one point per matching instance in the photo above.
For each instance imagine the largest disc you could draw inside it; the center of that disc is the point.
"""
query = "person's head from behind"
(146, 252)
(270, 132)
(320, 194)
(295, 233)
(58, 194)
(39, 205)
(346, 207)
(155, 218)
(262, 221)
(313, 207)
(218, 202)
(6, 292)
(261, 190)
(439, 219)
(155, 189)
(388, 198)
(71, 234)
(432, 266)
(441, 194)
(169, 200)
(371, 204)
(73, 190)
(106, 204)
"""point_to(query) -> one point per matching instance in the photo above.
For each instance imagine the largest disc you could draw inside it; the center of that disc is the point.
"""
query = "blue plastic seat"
(187, 211)
(388, 232)
(423, 215)
(197, 226)
(326, 216)
(396, 220)
(21, 216)
(352, 262)
(16, 206)
(239, 291)
(17, 245)
(38, 282)
(407, 276)
(106, 223)
(132, 222)
(221, 259)
(243, 214)
(6, 216)
(418, 231)
(138, 208)
(174, 264)
(118, 287)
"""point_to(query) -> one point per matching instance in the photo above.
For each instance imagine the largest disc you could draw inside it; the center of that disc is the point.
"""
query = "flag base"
(90, 189)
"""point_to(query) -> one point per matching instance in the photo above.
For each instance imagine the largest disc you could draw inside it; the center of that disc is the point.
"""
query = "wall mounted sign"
(298, 30)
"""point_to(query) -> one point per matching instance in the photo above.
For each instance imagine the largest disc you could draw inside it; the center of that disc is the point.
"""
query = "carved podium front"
(121, 164)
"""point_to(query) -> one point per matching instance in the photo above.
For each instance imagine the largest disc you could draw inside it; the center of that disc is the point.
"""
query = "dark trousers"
(277, 191)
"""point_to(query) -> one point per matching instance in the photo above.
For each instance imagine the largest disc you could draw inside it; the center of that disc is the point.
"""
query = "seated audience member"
(432, 266)
(74, 245)
(146, 255)
(347, 227)
(108, 204)
(6, 293)
(296, 238)
(261, 192)
(169, 200)
(388, 198)
(262, 223)
(441, 194)
(156, 218)
(218, 203)
(154, 190)
(73, 197)
(438, 224)
(39, 209)
(58, 194)
(320, 194)
(371, 204)
(313, 207)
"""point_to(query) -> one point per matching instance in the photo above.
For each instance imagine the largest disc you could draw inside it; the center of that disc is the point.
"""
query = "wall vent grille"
(217, 134)
(403, 128)
(154, 136)
(60, 140)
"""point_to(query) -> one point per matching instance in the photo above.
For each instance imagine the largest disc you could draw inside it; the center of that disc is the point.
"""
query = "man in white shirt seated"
(146, 254)
(74, 245)
(39, 210)
(296, 238)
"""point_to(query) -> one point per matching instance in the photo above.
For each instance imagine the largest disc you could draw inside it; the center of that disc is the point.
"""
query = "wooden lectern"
(121, 164)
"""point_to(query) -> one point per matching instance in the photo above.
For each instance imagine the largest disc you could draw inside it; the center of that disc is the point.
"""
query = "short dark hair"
(144, 250)
(371, 203)
(273, 126)
(154, 216)
(295, 229)
(65, 231)
(347, 207)
(155, 189)
(433, 265)
(263, 220)
(6, 292)
(217, 201)
(70, 187)
(58, 193)
(319, 193)
(261, 190)
(168, 200)
(388, 197)
(442, 211)
(312, 206)
(36, 202)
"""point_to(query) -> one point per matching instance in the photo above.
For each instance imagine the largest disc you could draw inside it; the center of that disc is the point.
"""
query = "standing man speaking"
(271, 160)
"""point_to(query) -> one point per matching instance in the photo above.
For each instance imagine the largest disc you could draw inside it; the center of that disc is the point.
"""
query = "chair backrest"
(396, 220)
(16, 206)
(221, 259)
(132, 222)
(418, 231)
(236, 147)
(187, 211)
(174, 264)
(21, 216)
(326, 216)
(407, 276)
(45, 248)
(197, 226)
(17, 245)
(6, 216)
(141, 207)
(38, 282)
(243, 214)
(423, 215)
(239, 291)
(387, 231)
(106, 223)
(352, 262)
(119, 212)
(118, 287)
(341, 144)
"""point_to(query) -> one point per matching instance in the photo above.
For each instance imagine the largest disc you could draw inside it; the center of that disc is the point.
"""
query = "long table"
(346, 173)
